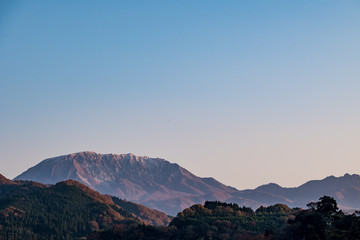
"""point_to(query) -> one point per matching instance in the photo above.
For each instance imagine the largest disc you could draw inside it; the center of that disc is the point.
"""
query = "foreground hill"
(168, 187)
(213, 220)
(68, 209)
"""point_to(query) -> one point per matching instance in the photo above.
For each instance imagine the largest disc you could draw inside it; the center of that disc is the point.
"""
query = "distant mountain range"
(167, 187)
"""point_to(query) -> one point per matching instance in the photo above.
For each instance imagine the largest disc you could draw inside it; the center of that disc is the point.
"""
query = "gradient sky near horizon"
(247, 92)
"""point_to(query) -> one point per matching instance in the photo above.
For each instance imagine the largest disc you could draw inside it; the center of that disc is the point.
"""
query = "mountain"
(153, 182)
(168, 187)
(68, 209)
(345, 189)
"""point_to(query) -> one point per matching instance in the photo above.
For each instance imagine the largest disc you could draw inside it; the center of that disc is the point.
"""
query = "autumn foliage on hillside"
(213, 220)
(219, 221)
(66, 210)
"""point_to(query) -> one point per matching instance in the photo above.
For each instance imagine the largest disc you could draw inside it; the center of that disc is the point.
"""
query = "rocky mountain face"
(167, 187)
(153, 182)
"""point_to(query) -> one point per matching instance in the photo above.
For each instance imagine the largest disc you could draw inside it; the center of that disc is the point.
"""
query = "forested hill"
(68, 209)
(219, 220)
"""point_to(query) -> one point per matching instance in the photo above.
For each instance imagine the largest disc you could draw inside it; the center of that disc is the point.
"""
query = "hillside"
(219, 220)
(213, 220)
(30, 210)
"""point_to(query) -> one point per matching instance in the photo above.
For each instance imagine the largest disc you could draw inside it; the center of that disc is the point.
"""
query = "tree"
(327, 206)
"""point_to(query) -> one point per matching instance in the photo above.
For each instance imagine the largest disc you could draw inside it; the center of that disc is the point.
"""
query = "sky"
(247, 92)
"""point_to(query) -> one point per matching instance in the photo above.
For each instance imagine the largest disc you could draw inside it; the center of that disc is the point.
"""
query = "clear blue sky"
(248, 92)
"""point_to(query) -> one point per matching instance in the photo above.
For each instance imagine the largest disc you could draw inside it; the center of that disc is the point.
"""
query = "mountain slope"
(68, 209)
(345, 189)
(141, 179)
(62, 211)
(167, 187)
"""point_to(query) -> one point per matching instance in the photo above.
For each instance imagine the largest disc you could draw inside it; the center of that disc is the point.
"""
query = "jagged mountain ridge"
(142, 179)
(167, 187)
(139, 175)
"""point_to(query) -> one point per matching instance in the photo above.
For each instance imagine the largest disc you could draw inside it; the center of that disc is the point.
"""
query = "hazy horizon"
(246, 92)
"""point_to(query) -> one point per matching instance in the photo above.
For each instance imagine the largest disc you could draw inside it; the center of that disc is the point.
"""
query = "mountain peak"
(84, 153)
(4, 180)
(269, 186)
(2, 177)
(347, 175)
(136, 178)
(90, 155)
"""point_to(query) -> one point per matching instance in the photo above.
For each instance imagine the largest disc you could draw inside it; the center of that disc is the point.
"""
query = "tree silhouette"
(327, 206)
